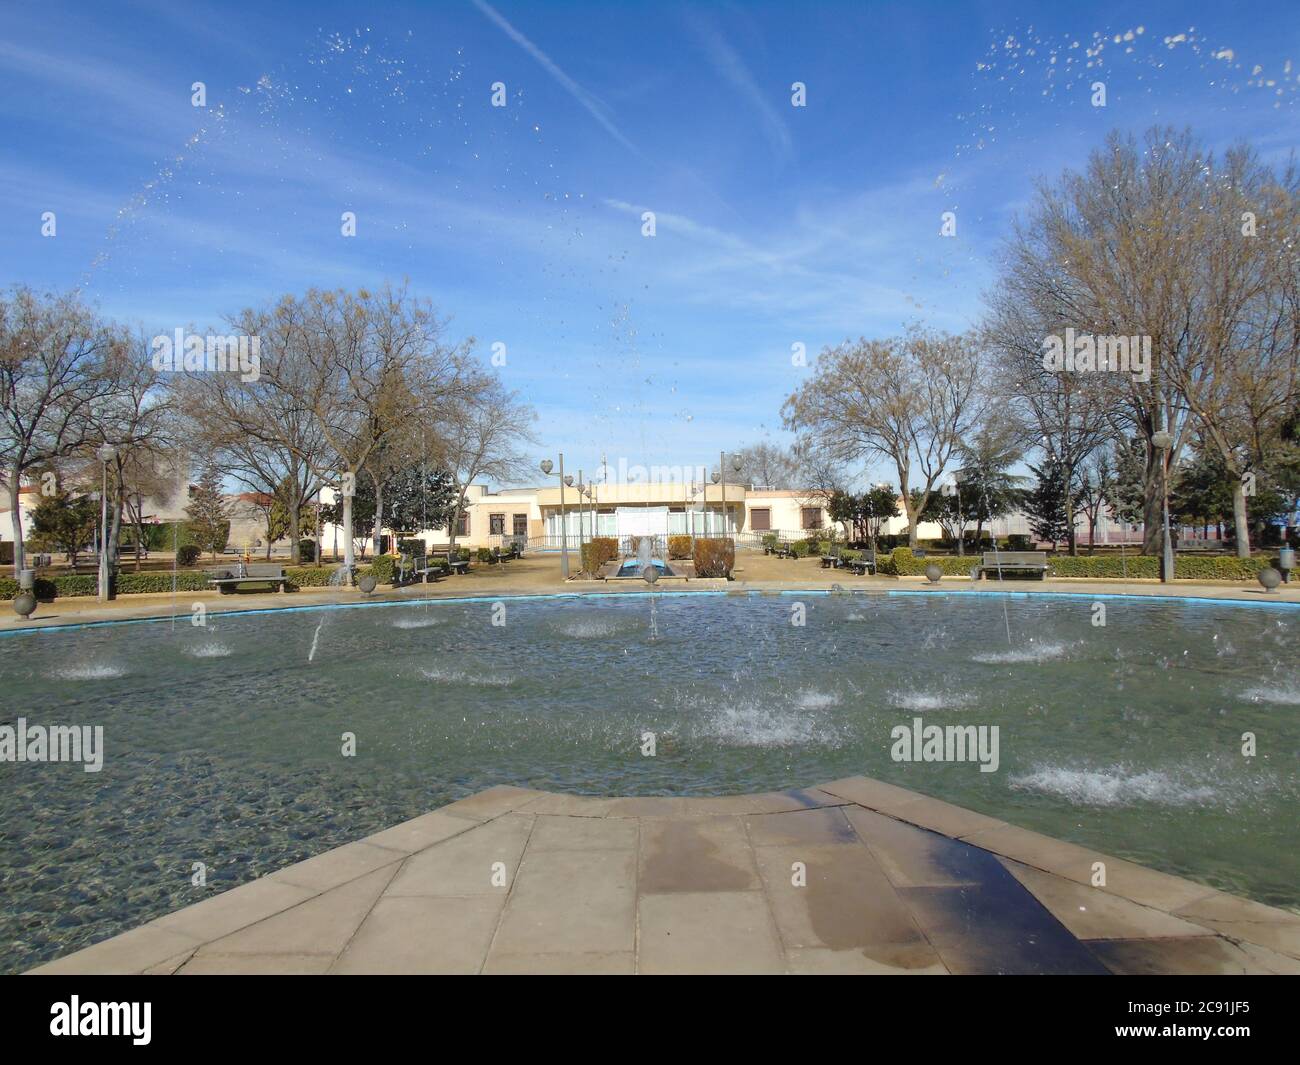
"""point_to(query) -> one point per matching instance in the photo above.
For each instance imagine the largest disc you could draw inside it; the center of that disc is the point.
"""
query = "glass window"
(496, 524)
(812, 517)
(521, 525)
(462, 526)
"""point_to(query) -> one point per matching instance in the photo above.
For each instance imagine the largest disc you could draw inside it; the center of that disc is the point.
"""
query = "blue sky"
(776, 225)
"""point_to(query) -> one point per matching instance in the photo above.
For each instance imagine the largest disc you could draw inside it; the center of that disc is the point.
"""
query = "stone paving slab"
(854, 876)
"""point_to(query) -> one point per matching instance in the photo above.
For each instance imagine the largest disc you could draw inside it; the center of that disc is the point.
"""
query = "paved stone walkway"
(856, 876)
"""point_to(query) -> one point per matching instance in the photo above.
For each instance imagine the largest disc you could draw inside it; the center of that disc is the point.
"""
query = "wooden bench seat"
(1000, 562)
(229, 580)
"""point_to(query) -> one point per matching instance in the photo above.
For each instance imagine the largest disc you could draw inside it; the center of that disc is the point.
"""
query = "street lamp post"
(106, 453)
(722, 470)
(1164, 441)
(715, 476)
(735, 469)
(582, 512)
(547, 466)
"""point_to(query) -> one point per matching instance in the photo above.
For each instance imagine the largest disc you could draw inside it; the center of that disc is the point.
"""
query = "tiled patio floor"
(856, 876)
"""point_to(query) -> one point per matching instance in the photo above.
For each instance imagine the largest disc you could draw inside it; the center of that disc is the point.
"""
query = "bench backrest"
(1015, 558)
(264, 569)
(868, 555)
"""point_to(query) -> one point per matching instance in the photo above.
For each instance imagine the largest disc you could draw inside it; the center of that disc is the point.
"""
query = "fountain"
(636, 567)
(336, 580)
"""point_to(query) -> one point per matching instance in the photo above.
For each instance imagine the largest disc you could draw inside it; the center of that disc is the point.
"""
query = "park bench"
(457, 565)
(784, 550)
(832, 559)
(229, 580)
(863, 564)
(1193, 543)
(413, 567)
(1001, 562)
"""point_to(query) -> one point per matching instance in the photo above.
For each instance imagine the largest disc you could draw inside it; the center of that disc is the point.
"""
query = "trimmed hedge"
(307, 577)
(679, 547)
(902, 563)
(72, 585)
(714, 557)
(155, 583)
(1186, 567)
(597, 551)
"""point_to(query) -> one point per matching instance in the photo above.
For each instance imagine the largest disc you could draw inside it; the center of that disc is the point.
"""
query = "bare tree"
(138, 418)
(768, 466)
(363, 367)
(58, 362)
(1160, 240)
(484, 436)
(262, 432)
(908, 400)
(1065, 415)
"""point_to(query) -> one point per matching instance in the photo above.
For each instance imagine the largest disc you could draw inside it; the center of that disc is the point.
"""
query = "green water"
(222, 745)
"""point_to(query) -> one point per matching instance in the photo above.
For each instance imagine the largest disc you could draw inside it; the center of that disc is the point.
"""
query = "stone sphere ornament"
(24, 604)
(1270, 578)
(367, 583)
(933, 572)
(650, 573)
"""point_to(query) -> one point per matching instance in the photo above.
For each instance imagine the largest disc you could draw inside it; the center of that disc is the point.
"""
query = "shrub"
(187, 554)
(484, 554)
(383, 569)
(1186, 567)
(308, 551)
(902, 563)
(679, 547)
(43, 588)
(1019, 542)
(307, 577)
(158, 582)
(74, 584)
(800, 549)
(714, 557)
(597, 551)
(769, 541)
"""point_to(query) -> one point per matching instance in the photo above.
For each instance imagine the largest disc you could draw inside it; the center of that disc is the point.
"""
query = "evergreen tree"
(277, 519)
(1044, 503)
(209, 517)
(417, 498)
(1127, 498)
(61, 522)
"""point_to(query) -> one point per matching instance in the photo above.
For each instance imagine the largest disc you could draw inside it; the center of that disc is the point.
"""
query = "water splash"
(923, 701)
(1115, 786)
(1041, 652)
(90, 672)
